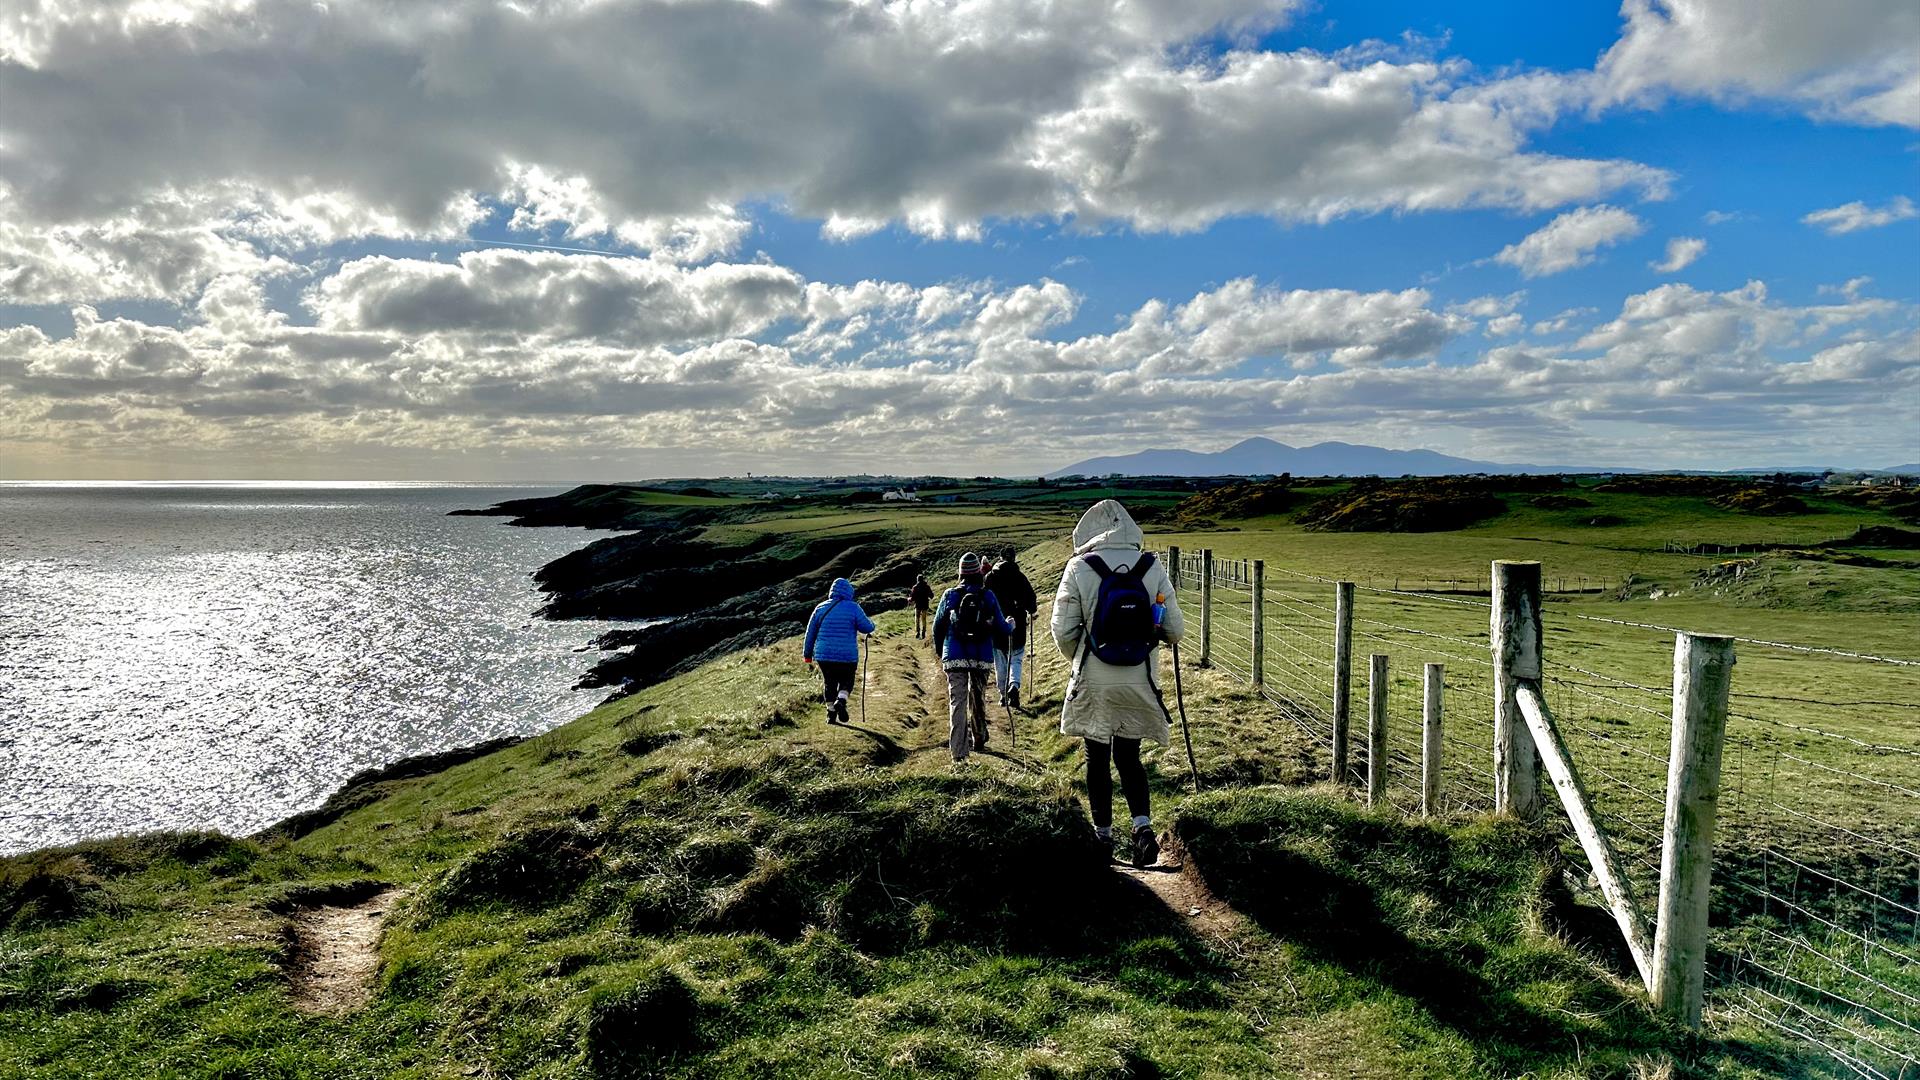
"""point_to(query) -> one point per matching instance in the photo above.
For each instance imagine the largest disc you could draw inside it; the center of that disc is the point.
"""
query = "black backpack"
(1121, 631)
(970, 616)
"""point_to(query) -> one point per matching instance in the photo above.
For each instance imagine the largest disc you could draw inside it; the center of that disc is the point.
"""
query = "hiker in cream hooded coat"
(1105, 702)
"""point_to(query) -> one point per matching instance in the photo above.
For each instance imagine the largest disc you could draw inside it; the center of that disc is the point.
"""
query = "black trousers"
(837, 677)
(1125, 756)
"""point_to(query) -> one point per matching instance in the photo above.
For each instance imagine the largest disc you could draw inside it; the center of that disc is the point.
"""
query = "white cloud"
(1306, 136)
(1854, 216)
(1570, 240)
(541, 353)
(543, 296)
(603, 119)
(1681, 252)
(1857, 61)
(1241, 321)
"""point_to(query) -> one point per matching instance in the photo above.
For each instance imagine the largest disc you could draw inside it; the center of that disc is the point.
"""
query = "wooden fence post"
(1430, 724)
(1259, 639)
(1376, 729)
(1516, 633)
(1206, 606)
(1702, 679)
(1173, 565)
(1342, 675)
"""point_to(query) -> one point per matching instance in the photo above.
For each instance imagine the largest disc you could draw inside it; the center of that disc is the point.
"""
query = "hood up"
(1105, 525)
(842, 589)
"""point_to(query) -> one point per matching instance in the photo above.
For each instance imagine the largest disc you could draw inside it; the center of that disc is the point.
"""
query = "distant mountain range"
(1257, 456)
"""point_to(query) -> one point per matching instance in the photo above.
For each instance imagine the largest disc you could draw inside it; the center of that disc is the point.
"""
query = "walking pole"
(1032, 657)
(1186, 733)
(865, 640)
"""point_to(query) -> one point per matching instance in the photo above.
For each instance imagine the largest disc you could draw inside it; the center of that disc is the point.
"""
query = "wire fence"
(1815, 910)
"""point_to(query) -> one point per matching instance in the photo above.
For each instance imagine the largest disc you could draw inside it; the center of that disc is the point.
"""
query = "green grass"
(702, 880)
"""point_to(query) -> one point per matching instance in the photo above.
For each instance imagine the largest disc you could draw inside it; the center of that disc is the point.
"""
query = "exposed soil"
(1176, 885)
(336, 953)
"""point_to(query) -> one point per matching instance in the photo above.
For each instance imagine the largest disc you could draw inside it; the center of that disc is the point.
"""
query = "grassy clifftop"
(702, 880)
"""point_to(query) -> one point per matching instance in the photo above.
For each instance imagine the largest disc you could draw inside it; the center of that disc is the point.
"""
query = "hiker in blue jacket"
(964, 630)
(833, 640)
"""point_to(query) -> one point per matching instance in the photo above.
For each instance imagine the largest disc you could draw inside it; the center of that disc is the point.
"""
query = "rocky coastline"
(714, 597)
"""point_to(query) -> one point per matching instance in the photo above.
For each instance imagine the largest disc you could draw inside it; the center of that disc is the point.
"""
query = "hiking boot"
(1013, 699)
(840, 709)
(833, 717)
(1146, 849)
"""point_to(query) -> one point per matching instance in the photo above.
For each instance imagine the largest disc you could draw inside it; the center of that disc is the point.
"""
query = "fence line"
(1815, 898)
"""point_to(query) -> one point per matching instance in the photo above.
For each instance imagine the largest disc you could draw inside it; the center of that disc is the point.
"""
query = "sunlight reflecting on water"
(219, 656)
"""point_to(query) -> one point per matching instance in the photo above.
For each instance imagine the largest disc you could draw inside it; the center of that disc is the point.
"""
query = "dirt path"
(336, 954)
(1175, 885)
(908, 697)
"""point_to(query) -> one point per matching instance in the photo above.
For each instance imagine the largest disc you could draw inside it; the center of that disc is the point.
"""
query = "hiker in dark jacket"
(1015, 593)
(833, 640)
(922, 597)
(963, 631)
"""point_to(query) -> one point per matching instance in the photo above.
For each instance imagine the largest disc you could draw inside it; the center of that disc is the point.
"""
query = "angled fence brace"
(1573, 796)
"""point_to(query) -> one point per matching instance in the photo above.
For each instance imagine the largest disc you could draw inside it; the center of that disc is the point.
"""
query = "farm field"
(1820, 809)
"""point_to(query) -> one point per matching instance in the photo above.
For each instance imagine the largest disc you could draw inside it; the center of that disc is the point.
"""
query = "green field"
(702, 880)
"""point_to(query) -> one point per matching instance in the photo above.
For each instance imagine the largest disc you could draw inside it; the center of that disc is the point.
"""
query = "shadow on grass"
(1447, 918)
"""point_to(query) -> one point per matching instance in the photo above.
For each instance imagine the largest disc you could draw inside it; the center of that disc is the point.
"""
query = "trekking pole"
(865, 641)
(1186, 733)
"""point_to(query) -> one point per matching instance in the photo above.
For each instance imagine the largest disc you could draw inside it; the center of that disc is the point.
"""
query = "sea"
(218, 656)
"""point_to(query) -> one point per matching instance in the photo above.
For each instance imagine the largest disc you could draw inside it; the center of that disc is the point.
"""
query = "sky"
(614, 239)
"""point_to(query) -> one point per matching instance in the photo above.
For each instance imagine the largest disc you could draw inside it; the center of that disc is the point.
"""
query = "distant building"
(899, 496)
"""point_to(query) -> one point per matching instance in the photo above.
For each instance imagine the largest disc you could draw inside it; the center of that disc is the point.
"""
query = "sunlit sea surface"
(219, 656)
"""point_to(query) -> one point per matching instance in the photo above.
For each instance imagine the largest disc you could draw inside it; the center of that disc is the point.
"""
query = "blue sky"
(982, 235)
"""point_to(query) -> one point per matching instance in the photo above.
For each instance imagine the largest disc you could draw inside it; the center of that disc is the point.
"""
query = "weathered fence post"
(1702, 678)
(1206, 606)
(1342, 675)
(1516, 633)
(1259, 638)
(1430, 722)
(1376, 729)
(1173, 565)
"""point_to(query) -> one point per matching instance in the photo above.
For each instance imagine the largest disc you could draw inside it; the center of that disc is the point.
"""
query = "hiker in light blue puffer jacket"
(833, 639)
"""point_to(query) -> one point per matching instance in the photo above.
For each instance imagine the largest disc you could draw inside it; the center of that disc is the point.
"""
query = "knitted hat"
(969, 564)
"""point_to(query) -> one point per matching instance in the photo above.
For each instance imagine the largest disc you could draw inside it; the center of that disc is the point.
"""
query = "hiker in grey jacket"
(1110, 706)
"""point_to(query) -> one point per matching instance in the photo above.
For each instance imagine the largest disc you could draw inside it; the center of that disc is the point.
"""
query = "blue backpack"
(1121, 632)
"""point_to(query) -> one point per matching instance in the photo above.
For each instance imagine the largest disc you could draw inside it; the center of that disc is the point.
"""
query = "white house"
(899, 496)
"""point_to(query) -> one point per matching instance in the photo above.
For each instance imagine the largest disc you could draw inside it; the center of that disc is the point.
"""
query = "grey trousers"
(966, 689)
